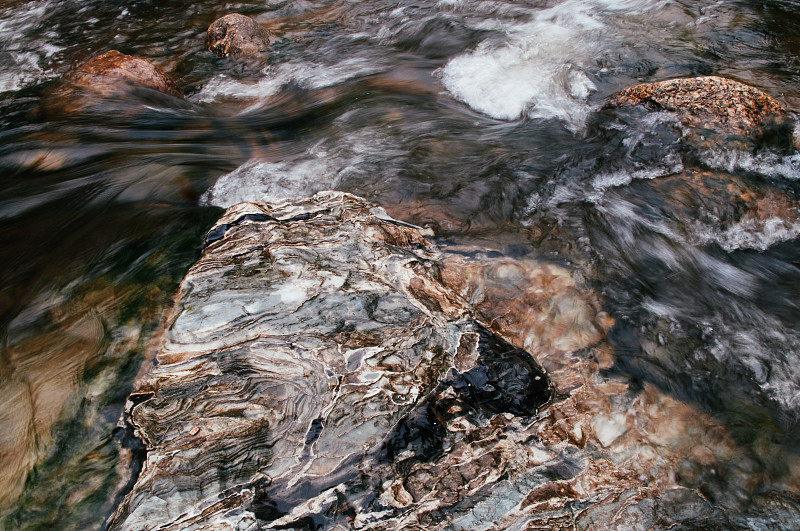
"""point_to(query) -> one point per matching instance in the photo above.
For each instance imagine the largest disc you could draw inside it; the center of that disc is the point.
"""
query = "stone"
(112, 72)
(709, 207)
(709, 102)
(236, 34)
(326, 366)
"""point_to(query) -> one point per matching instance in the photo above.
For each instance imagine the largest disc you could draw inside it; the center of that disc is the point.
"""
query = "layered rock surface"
(325, 365)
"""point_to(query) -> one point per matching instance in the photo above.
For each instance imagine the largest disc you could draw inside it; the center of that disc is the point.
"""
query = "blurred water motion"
(480, 120)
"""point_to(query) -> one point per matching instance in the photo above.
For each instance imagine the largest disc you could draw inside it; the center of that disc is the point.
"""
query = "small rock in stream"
(236, 34)
(110, 72)
(709, 103)
(323, 369)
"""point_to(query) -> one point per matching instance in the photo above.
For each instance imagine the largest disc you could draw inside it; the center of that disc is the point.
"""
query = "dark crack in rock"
(326, 367)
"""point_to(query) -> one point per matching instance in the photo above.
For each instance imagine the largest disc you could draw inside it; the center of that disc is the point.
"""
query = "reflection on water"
(480, 120)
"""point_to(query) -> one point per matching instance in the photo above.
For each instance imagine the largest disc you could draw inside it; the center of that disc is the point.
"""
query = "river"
(480, 120)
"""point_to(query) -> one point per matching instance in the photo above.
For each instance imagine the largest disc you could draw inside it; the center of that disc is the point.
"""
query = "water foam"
(23, 58)
(748, 234)
(258, 180)
(766, 163)
(306, 75)
(322, 166)
(543, 68)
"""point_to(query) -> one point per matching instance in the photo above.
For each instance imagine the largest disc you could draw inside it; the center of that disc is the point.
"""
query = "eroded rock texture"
(326, 367)
(711, 102)
(236, 34)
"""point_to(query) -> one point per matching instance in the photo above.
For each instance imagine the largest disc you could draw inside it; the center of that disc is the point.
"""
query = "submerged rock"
(110, 72)
(715, 207)
(236, 34)
(324, 367)
(710, 103)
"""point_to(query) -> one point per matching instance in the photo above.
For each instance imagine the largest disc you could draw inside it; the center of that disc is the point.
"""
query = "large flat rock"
(326, 367)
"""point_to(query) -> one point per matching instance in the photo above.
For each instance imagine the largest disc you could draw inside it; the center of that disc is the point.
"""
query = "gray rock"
(325, 365)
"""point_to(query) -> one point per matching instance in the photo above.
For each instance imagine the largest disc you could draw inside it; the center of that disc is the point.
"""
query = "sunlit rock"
(236, 34)
(110, 72)
(709, 104)
(326, 366)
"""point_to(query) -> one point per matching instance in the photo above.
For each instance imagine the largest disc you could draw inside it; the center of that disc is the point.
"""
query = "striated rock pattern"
(326, 367)
(236, 34)
(709, 102)
(108, 72)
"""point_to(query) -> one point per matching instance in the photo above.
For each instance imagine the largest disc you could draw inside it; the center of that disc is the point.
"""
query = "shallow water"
(480, 120)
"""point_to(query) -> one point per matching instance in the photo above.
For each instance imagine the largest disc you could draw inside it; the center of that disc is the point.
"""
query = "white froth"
(672, 164)
(749, 234)
(258, 180)
(28, 55)
(765, 163)
(541, 69)
(306, 75)
(322, 166)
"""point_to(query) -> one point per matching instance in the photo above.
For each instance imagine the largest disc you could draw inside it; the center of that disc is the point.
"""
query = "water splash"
(544, 68)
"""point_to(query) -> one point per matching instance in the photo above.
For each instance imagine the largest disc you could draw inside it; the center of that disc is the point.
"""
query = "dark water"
(481, 120)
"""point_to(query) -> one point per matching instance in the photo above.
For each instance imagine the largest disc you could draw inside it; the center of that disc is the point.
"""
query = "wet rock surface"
(709, 103)
(327, 367)
(706, 207)
(110, 72)
(236, 34)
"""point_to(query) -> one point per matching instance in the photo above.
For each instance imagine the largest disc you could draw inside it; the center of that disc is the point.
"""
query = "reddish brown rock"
(107, 74)
(708, 102)
(236, 34)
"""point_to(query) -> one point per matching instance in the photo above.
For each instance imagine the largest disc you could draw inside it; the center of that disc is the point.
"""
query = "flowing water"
(481, 120)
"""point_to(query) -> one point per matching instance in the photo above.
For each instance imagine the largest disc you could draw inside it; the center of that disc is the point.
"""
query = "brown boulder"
(236, 34)
(107, 73)
(709, 102)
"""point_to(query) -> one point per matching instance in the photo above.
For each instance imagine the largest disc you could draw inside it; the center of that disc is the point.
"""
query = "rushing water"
(481, 120)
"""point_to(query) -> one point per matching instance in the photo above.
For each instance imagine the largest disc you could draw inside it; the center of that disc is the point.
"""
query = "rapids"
(482, 122)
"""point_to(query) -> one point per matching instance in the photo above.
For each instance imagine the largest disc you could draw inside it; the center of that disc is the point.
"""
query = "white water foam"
(23, 57)
(747, 234)
(306, 75)
(541, 69)
(322, 166)
(767, 163)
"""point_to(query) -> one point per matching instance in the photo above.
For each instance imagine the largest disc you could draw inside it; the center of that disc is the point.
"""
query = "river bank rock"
(111, 71)
(708, 103)
(328, 367)
(236, 34)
